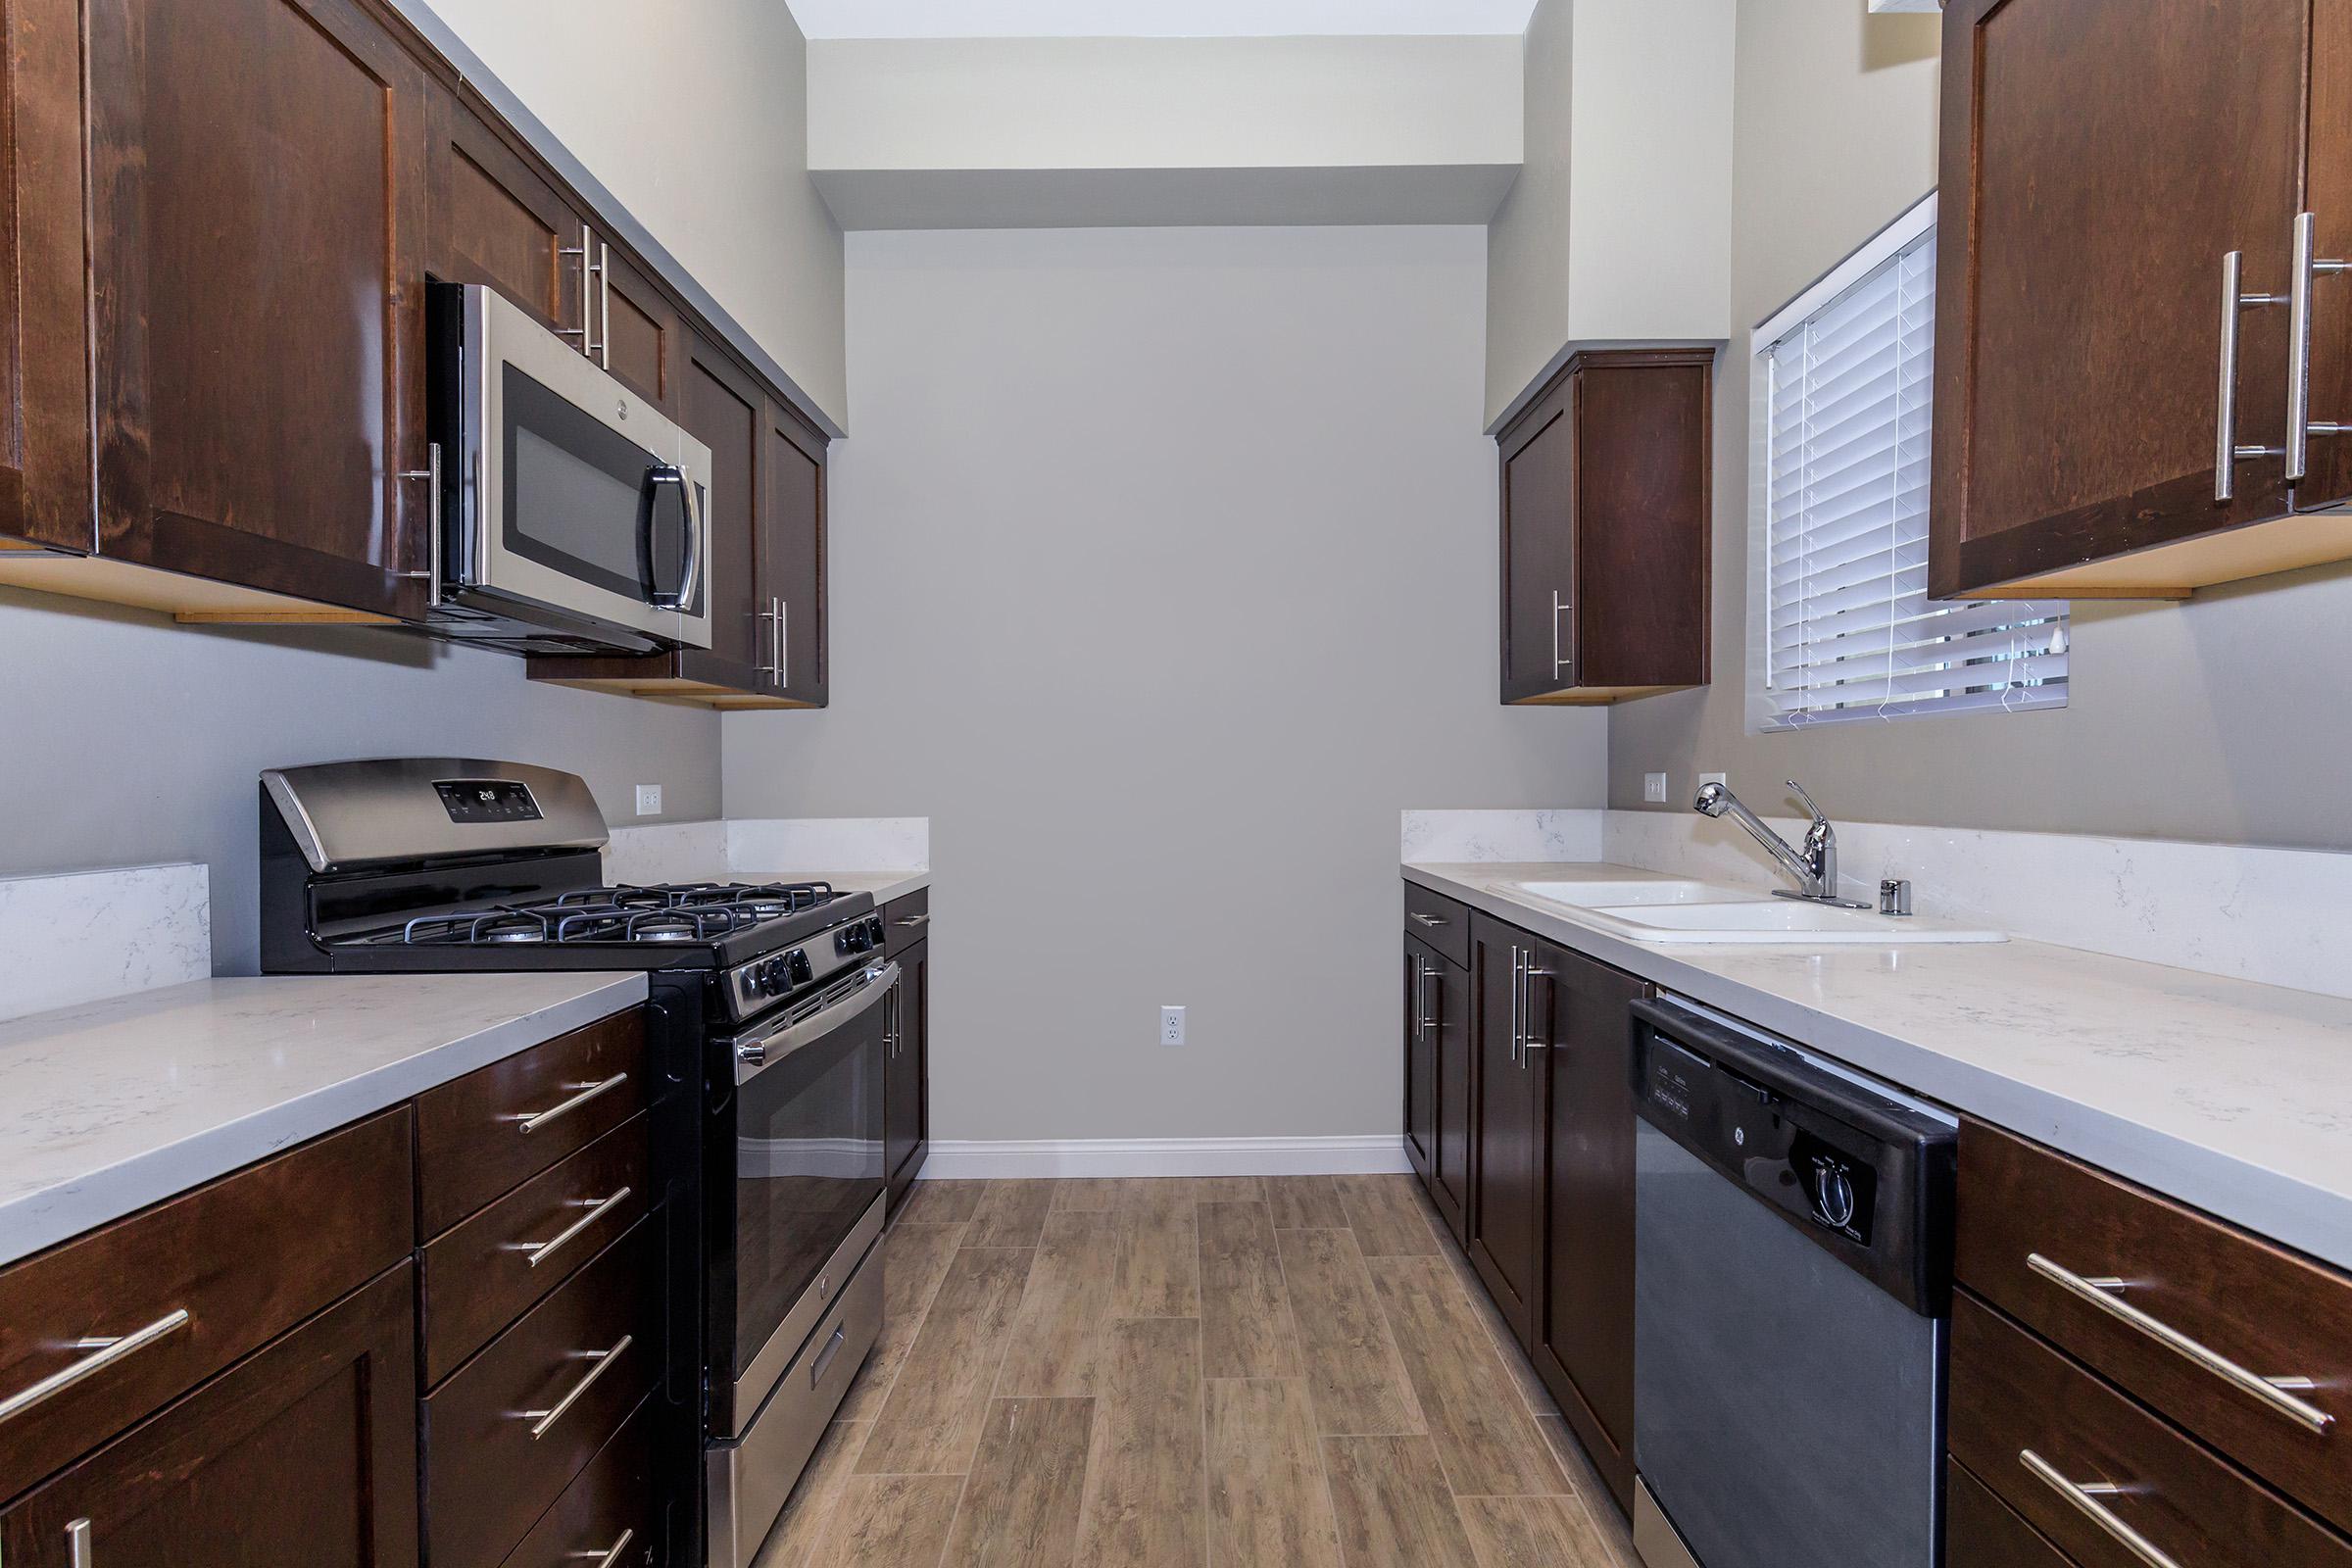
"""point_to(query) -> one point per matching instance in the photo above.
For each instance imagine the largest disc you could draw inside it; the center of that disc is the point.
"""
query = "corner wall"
(2214, 720)
(1163, 576)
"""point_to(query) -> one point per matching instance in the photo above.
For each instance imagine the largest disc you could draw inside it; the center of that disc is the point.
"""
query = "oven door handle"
(754, 1056)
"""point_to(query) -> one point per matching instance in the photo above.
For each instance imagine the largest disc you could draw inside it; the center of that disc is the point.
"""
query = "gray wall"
(2218, 720)
(125, 740)
(1163, 580)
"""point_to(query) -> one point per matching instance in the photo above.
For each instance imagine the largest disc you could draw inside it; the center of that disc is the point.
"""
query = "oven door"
(807, 1177)
(573, 495)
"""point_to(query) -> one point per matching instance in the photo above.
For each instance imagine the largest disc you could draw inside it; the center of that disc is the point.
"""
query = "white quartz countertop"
(883, 885)
(111, 1106)
(2233, 1096)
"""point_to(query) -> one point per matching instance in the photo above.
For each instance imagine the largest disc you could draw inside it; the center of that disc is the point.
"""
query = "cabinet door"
(637, 330)
(2100, 158)
(302, 1457)
(1643, 528)
(1539, 548)
(1421, 980)
(257, 257)
(492, 219)
(722, 407)
(792, 551)
(1505, 1135)
(44, 297)
(906, 1079)
(1451, 1027)
(1584, 1340)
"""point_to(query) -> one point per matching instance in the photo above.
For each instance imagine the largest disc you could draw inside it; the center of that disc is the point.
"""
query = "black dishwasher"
(1792, 1297)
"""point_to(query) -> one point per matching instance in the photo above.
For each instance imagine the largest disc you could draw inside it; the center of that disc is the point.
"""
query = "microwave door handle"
(690, 568)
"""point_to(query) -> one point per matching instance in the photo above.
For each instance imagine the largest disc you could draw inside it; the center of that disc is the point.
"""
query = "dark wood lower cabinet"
(1583, 1340)
(1542, 1074)
(907, 1074)
(305, 1453)
(1506, 1130)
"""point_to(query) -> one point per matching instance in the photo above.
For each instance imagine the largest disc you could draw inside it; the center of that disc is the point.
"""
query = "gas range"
(432, 864)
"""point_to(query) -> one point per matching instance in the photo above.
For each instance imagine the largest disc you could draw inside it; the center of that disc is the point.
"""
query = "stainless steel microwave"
(571, 516)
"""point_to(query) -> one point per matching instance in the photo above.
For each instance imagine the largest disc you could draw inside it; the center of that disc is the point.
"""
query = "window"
(1839, 496)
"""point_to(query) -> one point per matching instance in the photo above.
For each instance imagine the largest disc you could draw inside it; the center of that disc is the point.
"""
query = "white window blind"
(1845, 376)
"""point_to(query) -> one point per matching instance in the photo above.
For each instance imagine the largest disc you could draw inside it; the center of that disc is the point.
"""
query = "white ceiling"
(1152, 19)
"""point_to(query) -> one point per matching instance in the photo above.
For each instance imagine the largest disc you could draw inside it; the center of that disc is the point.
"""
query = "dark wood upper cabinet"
(256, 254)
(1606, 529)
(303, 1452)
(638, 333)
(44, 369)
(792, 554)
(1583, 1343)
(495, 220)
(2101, 159)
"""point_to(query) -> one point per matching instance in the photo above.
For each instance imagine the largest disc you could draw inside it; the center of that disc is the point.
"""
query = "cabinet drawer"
(1980, 1531)
(906, 921)
(570, 1371)
(489, 1270)
(189, 1286)
(605, 1518)
(2014, 1396)
(2240, 1299)
(481, 1135)
(1438, 921)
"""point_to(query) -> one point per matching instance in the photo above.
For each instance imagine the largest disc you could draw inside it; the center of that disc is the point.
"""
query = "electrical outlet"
(649, 799)
(1653, 786)
(1705, 779)
(1172, 1026)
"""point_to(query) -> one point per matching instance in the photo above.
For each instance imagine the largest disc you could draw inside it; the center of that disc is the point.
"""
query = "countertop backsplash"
(80, 936)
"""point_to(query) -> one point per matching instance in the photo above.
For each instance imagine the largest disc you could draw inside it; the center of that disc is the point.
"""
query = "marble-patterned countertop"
(2230, 1096)
(107, 1106)
(883, 885)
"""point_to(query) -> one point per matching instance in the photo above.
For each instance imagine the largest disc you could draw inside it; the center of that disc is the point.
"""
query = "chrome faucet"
(1815, 866)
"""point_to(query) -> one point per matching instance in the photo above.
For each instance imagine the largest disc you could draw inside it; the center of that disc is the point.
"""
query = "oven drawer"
(191, 1285)
(481, 1135)
(2232, 1295)
(2040, 1432)
(486, 1272)
(1438, 921)
(749, 1481)
(605, 1518)
(506, 1435)
(906, 921)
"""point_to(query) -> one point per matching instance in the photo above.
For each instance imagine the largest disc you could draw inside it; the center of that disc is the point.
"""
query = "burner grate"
(678, 911)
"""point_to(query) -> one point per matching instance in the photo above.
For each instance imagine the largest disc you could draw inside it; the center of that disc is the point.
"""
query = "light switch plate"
(1653, 786)
(649, 799)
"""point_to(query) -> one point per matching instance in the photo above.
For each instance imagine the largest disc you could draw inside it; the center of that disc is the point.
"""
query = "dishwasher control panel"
(1864, 1175)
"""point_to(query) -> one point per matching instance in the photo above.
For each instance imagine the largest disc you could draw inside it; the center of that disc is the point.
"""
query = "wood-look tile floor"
(1217, 1372)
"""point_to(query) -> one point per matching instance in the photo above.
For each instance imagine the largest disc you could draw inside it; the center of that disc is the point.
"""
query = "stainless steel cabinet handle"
(541, 1251)
(604, 304)
(2300, 426)
(532, 1121)
(1527, 1043)
(618, 1547)
(2279, 1393)
(2226, 452)
(1515, 999)
(542, 1420)
(1420, 1007)
(2085, 1495)
(430, 473)
(582, 251)
(78, 1544)
(912, 920)
(1429, 1016)
(103, 1354)
(1430, 920)
(783, 642)
(1558, 606)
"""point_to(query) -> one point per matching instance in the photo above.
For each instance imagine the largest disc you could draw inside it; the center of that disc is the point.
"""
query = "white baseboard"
(973, 1159)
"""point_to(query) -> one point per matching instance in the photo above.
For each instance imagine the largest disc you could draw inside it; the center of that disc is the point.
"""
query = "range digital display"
(487, 800)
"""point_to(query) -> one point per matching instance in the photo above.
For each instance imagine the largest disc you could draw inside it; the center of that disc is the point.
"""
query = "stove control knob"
(798, 968)
(772, 976)
(873, 930)
(855, 937)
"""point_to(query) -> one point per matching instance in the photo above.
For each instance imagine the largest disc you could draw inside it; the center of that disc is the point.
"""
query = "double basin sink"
(1668, 911)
